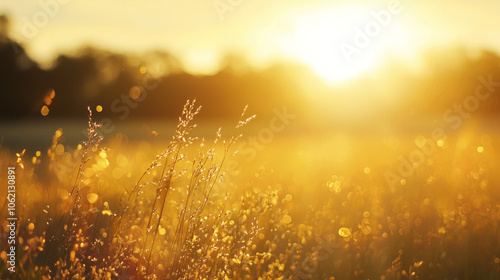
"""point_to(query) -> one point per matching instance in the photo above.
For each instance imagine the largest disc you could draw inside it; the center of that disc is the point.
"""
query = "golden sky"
(320, 33)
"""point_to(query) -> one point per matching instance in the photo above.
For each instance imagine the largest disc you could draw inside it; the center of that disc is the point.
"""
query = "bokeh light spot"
(52, 94)
(440, 143)
(59, 149)
(45, 110)
(103, 154)
(134, 92)
(92, 197)
(344, 232)
(287, 219)
(162, 231)
(47, 100)
(102, 163)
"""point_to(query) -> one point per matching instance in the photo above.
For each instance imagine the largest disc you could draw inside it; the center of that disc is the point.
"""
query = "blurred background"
(376, 129)
(355, 66)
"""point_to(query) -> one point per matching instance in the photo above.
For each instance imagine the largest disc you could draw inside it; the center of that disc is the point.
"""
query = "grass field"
(327, 205)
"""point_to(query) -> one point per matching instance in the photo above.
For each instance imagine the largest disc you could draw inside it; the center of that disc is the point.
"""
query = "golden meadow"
(192, 208)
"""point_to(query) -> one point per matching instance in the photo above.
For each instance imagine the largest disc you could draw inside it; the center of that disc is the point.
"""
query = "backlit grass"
(305, 208)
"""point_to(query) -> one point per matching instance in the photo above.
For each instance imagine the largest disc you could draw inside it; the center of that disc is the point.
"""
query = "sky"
(337, 39)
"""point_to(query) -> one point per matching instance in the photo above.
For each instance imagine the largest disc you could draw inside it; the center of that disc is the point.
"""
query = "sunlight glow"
(319, 40)
(315, 42)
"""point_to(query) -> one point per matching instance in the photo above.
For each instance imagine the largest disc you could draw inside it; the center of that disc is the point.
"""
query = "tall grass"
(180, 218)
(183, 239)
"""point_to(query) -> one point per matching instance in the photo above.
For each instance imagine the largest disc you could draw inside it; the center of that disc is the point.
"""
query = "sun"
(326, 42)
(316, 41)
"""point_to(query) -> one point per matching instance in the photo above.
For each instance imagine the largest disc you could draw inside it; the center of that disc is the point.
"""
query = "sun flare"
(326, 42)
